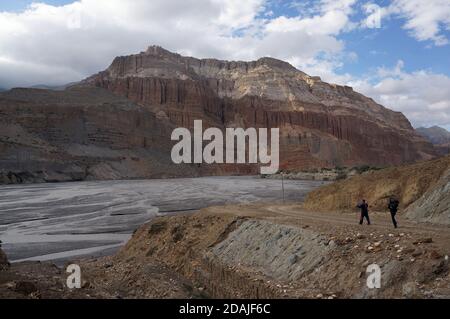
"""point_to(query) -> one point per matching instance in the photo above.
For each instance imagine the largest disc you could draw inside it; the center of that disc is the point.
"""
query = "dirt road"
(381, 221)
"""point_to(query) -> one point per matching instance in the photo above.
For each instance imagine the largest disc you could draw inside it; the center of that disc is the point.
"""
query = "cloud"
(332, 22)
(425, 20)
(423, 96)
(56, 44)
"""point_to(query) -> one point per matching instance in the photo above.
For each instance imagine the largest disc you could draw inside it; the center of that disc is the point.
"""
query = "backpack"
(393, 205)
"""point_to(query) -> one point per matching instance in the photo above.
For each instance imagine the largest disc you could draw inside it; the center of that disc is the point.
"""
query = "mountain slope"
(321, 124)
(79, 134)
(117, 124)
(434, 205)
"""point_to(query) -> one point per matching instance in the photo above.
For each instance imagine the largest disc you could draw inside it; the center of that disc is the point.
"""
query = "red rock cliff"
(321, 124)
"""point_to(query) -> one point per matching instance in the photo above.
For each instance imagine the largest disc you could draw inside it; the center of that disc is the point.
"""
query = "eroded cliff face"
(117, 124)
(321, 124)
(81, 134)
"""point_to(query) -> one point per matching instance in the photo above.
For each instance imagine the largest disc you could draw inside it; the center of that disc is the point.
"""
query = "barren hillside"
(427, 181)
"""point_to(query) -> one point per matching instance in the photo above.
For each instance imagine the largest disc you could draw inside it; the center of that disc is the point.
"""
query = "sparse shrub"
(341, 176)
(366, 168)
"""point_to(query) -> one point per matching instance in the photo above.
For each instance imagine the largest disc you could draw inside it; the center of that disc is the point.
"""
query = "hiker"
(393, 208)
(364, 212)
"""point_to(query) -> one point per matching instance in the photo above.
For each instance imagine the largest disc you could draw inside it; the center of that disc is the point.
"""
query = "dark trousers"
(366, 216)
(393, 218)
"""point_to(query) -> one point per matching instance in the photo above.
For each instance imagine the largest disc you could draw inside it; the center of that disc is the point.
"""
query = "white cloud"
(332, 22)
(238, 13)
(45, 42)
(425, 20)
(423, 96)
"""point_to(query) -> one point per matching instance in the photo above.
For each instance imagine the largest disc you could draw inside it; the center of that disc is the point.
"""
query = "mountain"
(117, 123)
(47, 87)
(439, 136)
(80, 134)
(435, 134)
(321, 124)
(53, 87)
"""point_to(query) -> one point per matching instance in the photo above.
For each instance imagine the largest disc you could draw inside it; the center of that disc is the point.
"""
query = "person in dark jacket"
(364, 212)
(393, 208)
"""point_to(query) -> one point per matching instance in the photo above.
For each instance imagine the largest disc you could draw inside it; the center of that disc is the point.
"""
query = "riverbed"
(61, 221)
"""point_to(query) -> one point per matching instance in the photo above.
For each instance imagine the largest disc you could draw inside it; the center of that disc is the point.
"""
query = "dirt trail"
(296, 213)
(380, 220)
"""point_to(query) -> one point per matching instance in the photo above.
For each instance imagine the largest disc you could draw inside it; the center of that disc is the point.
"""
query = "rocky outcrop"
(322, 125)
(292, 261)
(434, 205)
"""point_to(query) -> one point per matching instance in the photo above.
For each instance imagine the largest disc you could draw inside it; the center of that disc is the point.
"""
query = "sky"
(394, 51)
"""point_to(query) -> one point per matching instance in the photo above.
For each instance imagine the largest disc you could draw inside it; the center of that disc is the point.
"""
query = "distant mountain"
(53, 87)
(435, 134)
(46, 87)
